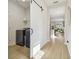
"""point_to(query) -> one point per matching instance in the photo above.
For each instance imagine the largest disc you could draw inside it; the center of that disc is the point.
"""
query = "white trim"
(44, 43)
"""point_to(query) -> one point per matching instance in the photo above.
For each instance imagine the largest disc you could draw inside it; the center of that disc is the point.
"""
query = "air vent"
(55, 2)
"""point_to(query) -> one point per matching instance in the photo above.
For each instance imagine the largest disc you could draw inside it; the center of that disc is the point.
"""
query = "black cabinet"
(27, 37)
(23, 37)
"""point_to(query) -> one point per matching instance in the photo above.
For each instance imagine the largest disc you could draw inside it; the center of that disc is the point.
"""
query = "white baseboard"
(35, 44)
(10, 44)
(33, 48)
(44, 43)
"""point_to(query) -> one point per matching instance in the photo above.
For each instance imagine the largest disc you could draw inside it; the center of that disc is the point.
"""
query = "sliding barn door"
(36, 26)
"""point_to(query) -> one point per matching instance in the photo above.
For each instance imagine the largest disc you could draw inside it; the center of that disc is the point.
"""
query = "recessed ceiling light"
(23, 0)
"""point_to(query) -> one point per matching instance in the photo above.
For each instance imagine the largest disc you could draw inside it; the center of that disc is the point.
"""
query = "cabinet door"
(27, 34)
(19, 37)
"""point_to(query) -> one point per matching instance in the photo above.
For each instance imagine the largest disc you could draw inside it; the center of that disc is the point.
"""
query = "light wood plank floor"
(55, 50)
(18, 52)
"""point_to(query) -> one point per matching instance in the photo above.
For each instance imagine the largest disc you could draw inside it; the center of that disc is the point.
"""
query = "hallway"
(55, 50)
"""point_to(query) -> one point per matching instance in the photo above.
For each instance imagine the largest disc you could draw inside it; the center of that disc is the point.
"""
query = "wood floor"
(55, 50)
(18, 52)
(52, 50)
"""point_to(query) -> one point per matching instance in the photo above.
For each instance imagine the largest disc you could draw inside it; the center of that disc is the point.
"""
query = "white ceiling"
(23, 4)
(56, 8)
(52, 2)
(57, 12)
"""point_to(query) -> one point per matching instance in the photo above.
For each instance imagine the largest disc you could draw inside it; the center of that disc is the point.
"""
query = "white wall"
(16, 14)
(39, 24)
(27, 16)
(68, 28)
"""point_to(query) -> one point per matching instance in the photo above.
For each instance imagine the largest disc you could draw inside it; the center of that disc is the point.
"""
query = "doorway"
(18, 23)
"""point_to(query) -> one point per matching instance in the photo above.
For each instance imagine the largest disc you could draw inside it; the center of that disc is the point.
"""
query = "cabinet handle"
(31, 31)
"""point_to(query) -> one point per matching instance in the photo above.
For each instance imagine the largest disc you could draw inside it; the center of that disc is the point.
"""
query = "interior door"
(36, 25)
